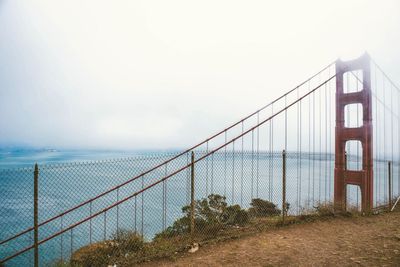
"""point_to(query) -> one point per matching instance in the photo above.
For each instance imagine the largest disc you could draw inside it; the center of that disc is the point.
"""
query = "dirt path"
(360, 241)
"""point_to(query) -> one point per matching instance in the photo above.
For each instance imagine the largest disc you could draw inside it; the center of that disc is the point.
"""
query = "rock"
(194, 248)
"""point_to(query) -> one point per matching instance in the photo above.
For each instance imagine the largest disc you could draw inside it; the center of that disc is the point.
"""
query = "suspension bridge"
(334, 138)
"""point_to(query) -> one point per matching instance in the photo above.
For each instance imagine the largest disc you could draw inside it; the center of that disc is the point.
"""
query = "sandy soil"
(354, 241)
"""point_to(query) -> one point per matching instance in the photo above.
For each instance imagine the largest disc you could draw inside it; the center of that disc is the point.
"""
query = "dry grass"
(129, 249)
(333, 241)
(110, 252)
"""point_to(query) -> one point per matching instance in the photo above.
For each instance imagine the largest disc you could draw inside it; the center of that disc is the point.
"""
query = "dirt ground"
(353, 241)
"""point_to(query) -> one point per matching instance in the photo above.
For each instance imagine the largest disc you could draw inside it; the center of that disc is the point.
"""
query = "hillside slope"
(354, 241)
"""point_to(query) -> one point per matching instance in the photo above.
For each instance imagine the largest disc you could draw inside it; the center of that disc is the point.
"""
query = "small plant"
(263, 208)
(128, 241)
(122, 242)
(325, 210)
(97, 254)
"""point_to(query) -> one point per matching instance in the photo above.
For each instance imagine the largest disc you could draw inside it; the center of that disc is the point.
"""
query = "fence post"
(390, 183)
(283, 186)
(192, 198)
(35, 214)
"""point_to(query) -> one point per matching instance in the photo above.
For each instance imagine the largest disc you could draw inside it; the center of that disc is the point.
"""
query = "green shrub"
(211, 214)
(211, 209)
(263, 208)
(242, 217)
(234, 215)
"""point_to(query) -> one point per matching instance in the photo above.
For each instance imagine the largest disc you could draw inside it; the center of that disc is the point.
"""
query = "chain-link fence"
(236, 182)
(233, 193)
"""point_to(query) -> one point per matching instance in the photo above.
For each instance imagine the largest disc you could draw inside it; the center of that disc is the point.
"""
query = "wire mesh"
(240, 198)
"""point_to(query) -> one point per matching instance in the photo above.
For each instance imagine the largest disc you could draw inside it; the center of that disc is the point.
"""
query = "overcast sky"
(165, 74)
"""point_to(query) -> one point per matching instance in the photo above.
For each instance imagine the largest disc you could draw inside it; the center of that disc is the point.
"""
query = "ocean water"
(68, 178)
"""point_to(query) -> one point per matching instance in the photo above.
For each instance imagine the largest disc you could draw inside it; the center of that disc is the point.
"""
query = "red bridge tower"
(364, 177)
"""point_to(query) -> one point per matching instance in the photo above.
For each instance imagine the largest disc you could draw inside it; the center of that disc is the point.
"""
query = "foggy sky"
(165, 74)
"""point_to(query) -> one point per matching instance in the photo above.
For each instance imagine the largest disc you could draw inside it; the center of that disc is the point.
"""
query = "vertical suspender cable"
(241, 168)
(207, 169)
(376, 139)
(284, 167)
(320, 146)
(331, 127)
(384, 140)
(225, 167)
(258, 154)
(326, 143)
(252, 163)
(298, 154)
(313, 154)
(398, 141)
(309, 147)
(391, 124)
(285, 125)
(377, 124)
(271, 158)
(233, 172)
